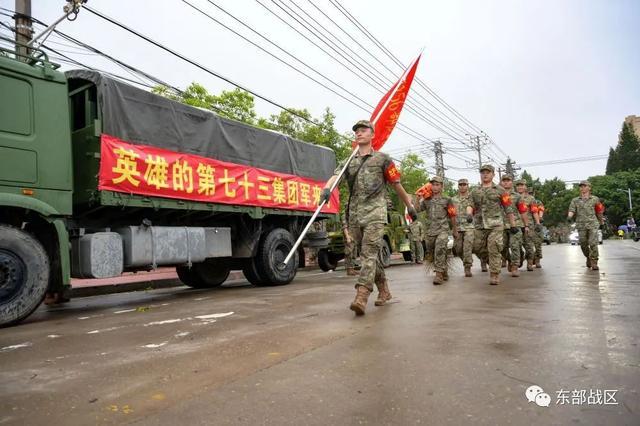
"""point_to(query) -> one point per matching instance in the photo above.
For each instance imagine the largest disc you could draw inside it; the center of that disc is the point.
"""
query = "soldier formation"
(501, 225)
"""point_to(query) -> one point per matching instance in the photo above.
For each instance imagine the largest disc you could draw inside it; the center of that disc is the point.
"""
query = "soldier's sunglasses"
(463, 184)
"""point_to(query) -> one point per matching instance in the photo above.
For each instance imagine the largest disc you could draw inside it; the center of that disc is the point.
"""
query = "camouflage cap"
(521, 182)
(488, 167)
(436, 179)
(585, 183)
(461, 181)
(362, 123)
(507, 176)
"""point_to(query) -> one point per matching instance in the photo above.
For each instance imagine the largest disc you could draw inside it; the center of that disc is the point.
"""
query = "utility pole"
(478, 148)
(437, 150)
(24, 28)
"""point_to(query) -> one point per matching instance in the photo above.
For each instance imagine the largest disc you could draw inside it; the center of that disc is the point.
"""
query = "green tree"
(612, 189)
(414, 176)
(234, 104)
(626, 155)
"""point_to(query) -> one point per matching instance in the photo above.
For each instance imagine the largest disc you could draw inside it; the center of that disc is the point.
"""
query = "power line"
(197, 65)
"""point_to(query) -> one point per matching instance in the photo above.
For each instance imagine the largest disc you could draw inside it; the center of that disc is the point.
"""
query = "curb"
(144, 284)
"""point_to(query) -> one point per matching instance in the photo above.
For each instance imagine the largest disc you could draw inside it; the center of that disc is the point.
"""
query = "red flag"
(387, 112)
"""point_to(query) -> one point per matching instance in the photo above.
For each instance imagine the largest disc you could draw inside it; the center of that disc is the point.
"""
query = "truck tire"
(203, 275)
(24, 275)
(385, 254)
(273, 248)
(326, 261)
(406, 255)
(251, 273)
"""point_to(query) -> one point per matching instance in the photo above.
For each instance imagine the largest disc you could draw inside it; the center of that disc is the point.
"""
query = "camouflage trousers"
(538, 239)
(369, 238)
(417, 251)
(588, 239)
(512, 244)
(437, 250)
(487, 245)
(464, 246)
(528, 243)
(349, 252)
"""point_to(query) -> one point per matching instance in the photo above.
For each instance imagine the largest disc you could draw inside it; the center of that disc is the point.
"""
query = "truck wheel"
(273, 248)
(406, 255)
(251, 273)
(326, 261)
(24, 275)
(203, 275)
(385, 254)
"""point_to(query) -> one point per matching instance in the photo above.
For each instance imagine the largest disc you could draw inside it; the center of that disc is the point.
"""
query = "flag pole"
(344, 168)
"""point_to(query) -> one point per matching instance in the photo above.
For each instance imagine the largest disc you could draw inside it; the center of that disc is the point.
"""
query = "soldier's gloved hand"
(325, 195)
(469, 218)
(513, 230)
(525, 230)
(456, 234)
(538, 227)
(601, 227)
(541, 221)
(413, 213)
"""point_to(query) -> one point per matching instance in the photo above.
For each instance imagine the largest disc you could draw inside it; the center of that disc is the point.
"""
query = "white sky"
(546, 79)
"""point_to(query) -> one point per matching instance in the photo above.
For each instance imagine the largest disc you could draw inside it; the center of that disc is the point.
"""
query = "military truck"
(395, 240)
(98, 177)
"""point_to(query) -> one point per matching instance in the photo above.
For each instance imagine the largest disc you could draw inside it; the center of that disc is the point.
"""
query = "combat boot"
(515, 272)
(359, 304)
(467, 271)
(383, 293)
(594, 265)
(438, 279)
(493, 280)
(588, 263)
(483, 265)
(504, 263)
(351, 272)
(538, 263)
(445, 275)
(529, 265)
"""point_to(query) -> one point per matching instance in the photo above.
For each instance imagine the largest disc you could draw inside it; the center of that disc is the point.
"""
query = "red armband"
(425, 191)
(391, 174)
(522, 207)
(505, 200)
(533, 208)
(541, 208)
(599, 208)
(451, 210)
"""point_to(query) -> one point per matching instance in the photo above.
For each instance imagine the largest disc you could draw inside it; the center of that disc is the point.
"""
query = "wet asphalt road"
(460, 353)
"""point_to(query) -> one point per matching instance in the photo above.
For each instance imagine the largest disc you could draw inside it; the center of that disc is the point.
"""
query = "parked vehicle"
(395, 240)
(98, 177)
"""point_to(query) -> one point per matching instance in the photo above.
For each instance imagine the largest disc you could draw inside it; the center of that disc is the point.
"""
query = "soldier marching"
(587, 210)
(367, 176)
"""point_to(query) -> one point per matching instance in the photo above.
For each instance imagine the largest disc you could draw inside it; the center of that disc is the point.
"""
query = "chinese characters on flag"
(151, 171)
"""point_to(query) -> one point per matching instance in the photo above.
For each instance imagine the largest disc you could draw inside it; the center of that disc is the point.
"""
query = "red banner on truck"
(151, 171)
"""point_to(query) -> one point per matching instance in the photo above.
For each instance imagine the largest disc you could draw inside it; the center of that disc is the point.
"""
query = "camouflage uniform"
(416, 229)
(587, 224)
(437, 234)
(491, 203)
(528, 240)
(464, 242)
(539, 236)
(367, 211)
(513, 242)
(349, 246)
